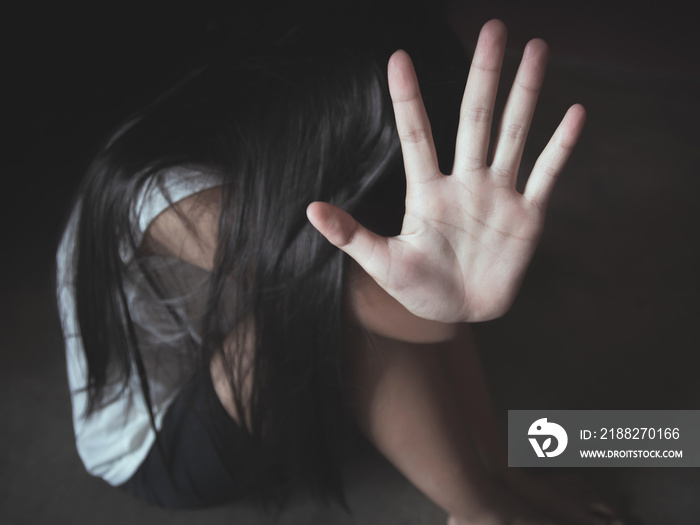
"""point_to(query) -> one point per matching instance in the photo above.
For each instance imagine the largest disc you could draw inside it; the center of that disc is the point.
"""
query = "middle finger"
(476, 112)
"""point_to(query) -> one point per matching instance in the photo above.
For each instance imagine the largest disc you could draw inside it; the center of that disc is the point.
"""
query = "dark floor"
(606, 318)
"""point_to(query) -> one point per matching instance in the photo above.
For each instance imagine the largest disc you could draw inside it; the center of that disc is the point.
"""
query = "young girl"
(219, 347)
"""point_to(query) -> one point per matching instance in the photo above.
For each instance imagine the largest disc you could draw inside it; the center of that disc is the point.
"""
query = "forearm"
(381, 315)
(466, 376)
(403, 402)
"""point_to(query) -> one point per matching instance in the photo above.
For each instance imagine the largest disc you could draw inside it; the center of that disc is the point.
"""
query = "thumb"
(367, 248)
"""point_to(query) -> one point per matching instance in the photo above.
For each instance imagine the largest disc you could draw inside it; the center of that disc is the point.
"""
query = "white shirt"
(115, 440)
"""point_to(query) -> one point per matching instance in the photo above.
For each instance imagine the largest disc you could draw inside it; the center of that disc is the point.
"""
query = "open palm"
(467, 238)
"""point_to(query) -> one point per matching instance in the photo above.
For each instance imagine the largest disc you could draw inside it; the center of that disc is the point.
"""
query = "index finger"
(412, 124)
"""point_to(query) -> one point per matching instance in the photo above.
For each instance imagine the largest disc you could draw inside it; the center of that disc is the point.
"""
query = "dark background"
(607, 315)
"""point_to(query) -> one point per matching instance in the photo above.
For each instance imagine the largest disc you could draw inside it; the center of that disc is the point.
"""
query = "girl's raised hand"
(467, 238)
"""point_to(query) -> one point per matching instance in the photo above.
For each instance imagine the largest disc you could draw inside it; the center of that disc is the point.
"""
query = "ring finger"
(517, 115)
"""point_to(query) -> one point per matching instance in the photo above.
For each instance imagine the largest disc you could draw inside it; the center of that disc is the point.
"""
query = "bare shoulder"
(188, 229)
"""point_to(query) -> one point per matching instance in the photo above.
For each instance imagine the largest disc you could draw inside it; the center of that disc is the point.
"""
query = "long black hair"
(295, 109)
